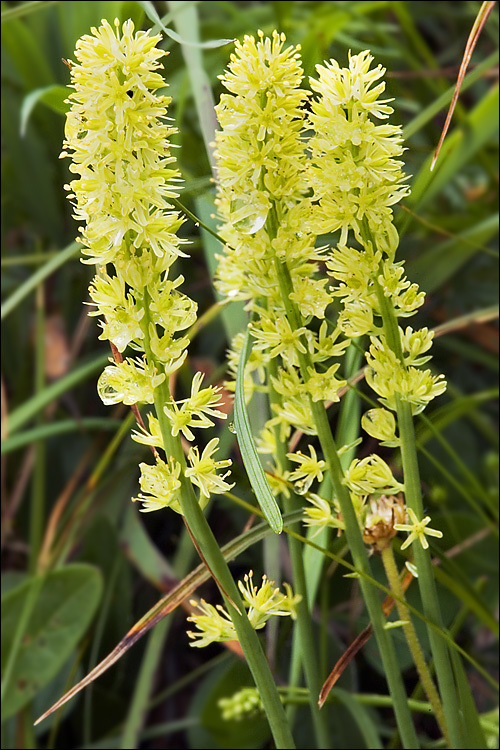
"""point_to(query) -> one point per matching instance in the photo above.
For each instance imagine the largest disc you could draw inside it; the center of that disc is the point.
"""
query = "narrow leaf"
(53, 96)
(36, 403)
(55, 262)
(167, 604)
(151, 13)
(248, 450)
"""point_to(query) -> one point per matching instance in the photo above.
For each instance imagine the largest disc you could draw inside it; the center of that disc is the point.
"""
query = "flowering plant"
(308, 176)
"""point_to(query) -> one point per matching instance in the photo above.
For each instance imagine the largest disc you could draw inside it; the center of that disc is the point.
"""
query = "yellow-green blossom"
(388, 377)
(130, 382)
(381, 424)
(266, 601)
(196, 410)
(417, 530)
(371, 476)
(202, 470)
(309, 469)
(321, 514)
(161, 486)
(214, 624)
(356, 175)
(118, 142)
(261, 602)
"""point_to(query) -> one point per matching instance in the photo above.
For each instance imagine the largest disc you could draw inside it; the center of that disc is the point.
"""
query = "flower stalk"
(119, 147)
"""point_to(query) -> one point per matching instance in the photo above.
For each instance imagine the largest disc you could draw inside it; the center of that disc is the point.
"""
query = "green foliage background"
(69, 467)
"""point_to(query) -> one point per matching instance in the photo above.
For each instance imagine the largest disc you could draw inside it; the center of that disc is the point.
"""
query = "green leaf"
(458, 149)
(361, 718)
(29, 408)
(433, 267)
(61, 427)
(248, 450)
(151, 13)
(66, 602)
(36, 278)
(53, 96)
(467, 715)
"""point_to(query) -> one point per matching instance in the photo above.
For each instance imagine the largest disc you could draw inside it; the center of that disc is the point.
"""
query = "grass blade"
(248, 450)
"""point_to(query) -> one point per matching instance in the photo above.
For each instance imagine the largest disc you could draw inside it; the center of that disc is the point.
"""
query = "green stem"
(305, 640)
(352, 530)
(413, 498)
(412, 639)
(37, 515)
(426, 580)
(210, 550)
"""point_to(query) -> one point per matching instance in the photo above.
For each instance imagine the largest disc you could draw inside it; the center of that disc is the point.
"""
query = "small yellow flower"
(310, 468)
(203, 470)
(262, 603)
(214, 624)
(417, 530)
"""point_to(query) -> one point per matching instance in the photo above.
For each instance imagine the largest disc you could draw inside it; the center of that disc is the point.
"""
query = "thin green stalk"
(426, 582)
(413, 497)
(304, 641)
(209, 548)
(141, 699)
(412, 639)
(352, 530)
(37, 514)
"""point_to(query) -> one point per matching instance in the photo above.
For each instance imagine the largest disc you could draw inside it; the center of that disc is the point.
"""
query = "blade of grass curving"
(458, 149)
(34, 280)
(151, 13)
(54, 96)
(167, 604)
(248, 450)
(37, 402)
(62, 427)
(26, 9)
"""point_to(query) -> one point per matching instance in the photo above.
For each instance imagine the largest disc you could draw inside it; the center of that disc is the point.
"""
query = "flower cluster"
(118, 139)
(214, 624)
(356, 177)
(278, 191)
(266, 219)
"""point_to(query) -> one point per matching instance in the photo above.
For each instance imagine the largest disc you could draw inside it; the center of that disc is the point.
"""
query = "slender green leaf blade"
(36, 403)
(53, 96)
(467, 715)
(248, 450)
(151, 13)
(36, 278)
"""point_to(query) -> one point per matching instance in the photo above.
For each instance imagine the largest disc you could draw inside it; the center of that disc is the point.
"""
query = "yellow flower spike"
(417, 530)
